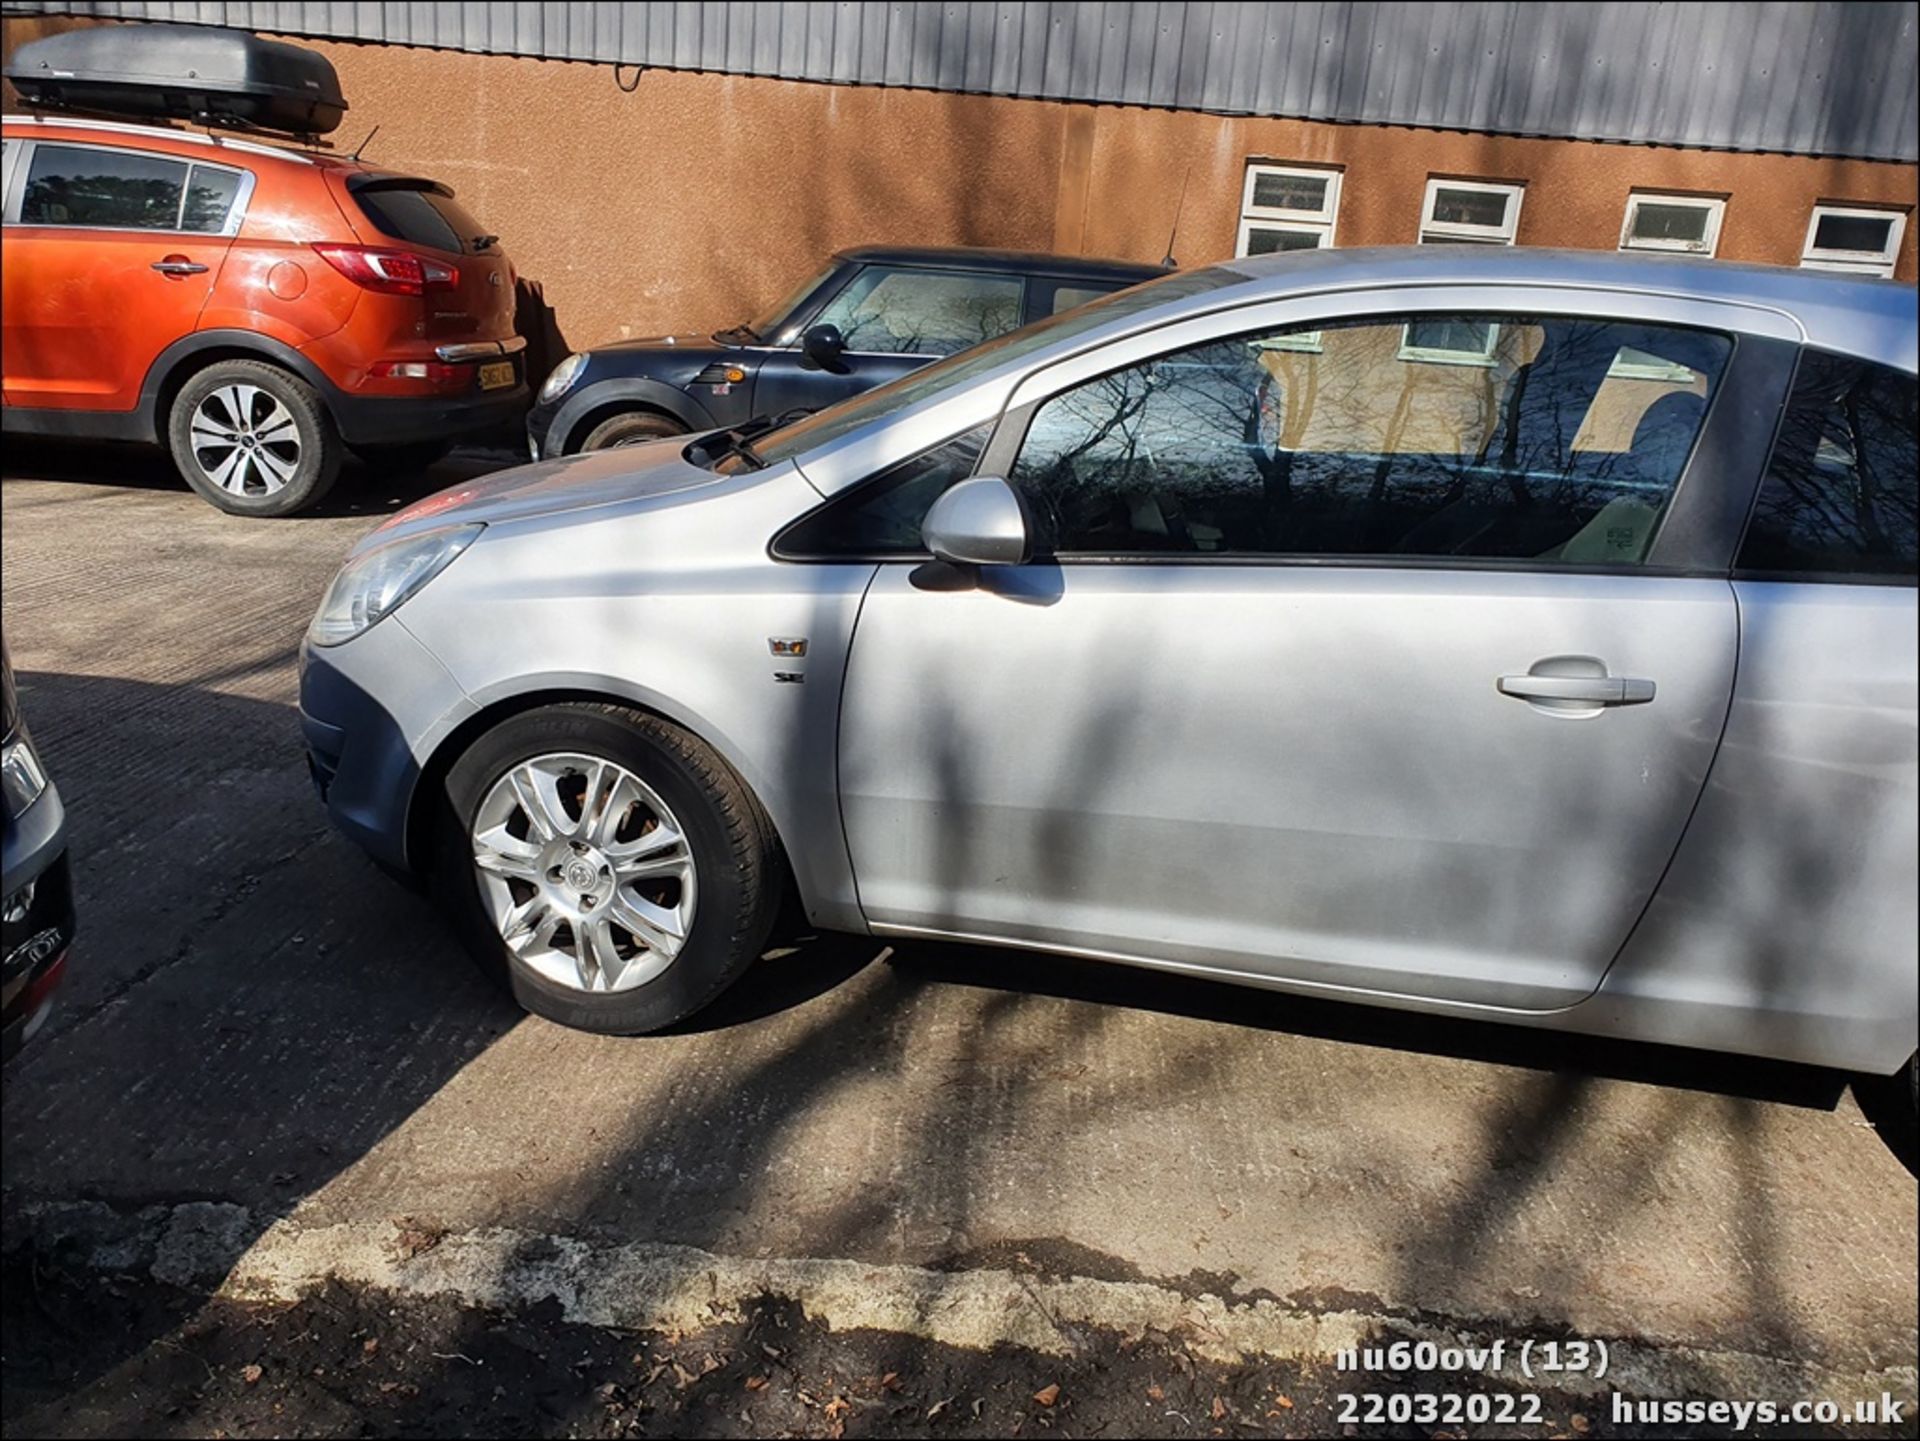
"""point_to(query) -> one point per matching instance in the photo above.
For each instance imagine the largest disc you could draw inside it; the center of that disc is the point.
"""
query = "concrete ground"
(256, 1018)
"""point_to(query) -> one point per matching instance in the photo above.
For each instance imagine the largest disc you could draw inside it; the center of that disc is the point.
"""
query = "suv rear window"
(418, 214)
(1839, 497)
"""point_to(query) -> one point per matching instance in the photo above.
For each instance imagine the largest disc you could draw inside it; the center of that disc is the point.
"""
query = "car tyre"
(632, 427)
(253, 439)
(734, 854)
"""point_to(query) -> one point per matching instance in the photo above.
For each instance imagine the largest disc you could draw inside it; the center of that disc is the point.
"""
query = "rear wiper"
(484, 242)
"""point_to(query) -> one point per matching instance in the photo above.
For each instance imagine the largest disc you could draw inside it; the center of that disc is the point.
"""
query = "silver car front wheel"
(587, 873)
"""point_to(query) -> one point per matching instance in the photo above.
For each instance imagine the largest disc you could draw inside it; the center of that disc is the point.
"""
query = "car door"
(110, 257)
(894, 319)
(1372, 652)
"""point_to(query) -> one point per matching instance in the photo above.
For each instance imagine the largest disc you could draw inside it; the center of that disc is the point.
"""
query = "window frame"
(1442, 232)
(1021, 308)
(1714, 206)
(20, 166)
(1321, 224)
(1855, 262)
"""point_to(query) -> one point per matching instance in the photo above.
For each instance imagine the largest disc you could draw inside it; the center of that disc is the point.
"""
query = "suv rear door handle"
(1595, 690)
(180, 266)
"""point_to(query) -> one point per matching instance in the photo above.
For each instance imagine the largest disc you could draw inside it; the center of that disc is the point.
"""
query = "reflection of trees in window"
(1840, 492)
(1356, 448)
(71, 186)
(924, 312)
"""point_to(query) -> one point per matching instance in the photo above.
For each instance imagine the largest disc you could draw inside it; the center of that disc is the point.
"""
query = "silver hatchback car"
(1508, 634)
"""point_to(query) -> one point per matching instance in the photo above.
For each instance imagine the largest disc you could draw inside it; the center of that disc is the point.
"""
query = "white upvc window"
(1474, 212)
(1287, 207)
(1688, 224)
(1845, 237)
(1456, 212)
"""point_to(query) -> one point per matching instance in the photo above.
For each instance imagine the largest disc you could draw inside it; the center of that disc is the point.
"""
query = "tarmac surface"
(258, 1021)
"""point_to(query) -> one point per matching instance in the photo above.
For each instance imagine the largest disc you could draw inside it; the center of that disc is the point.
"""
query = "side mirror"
(823, 345)
(979, 522)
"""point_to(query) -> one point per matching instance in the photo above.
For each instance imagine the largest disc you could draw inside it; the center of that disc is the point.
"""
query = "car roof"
(1857, 314)
(1024, 262)
(127, 133)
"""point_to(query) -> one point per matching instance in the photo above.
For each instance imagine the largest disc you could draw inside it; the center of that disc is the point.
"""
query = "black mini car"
(871, 316)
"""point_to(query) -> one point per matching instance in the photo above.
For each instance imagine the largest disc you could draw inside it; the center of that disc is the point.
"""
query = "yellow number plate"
(493, 376)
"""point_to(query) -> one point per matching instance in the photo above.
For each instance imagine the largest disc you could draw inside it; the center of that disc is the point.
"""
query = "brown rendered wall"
(695, 199)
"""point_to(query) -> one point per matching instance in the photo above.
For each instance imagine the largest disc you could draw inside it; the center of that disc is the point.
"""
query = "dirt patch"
(91, 1355)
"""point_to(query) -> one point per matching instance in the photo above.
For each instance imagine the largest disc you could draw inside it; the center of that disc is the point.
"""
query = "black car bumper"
(359, 762)
(35, 936)
(365, 421)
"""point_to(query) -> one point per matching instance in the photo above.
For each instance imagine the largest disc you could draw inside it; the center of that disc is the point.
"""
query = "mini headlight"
(378, 582)
(21, 775)
(562, 378)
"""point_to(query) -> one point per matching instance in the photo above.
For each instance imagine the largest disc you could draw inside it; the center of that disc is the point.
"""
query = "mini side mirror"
(823, 345)
(979, 522)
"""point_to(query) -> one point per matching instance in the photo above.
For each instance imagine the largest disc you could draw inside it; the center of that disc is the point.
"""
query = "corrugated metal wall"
(1816, 79)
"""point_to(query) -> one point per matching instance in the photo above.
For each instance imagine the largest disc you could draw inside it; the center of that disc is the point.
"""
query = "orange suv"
(257, 309)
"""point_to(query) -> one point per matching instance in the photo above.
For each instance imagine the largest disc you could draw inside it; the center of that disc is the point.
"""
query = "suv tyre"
(253, 439)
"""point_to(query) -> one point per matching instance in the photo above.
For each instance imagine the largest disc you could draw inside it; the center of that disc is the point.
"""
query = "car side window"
(1559, 441)
(209, 199)
(109, 189)
(1068, 297)
(1839, 496)
(883, 515)
(888, 309)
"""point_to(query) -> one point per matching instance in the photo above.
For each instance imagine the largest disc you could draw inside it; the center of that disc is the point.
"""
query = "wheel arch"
(422, 814)
(188, 356)
(601, 399)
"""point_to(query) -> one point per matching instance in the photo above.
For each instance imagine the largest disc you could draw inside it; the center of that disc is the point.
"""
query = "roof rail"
(122, 127)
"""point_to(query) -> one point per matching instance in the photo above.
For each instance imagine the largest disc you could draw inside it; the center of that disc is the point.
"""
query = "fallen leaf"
(1154, 1393)
(1581, 1425)
(369, 1346)
(1285, 1403)
(756, 1383)
(937, 1407)
(1219, 1409)
(709, 1365)
(890, 1381)
(836, 1408)
(251, 1373)
(683, 1376)
(1047, 1395)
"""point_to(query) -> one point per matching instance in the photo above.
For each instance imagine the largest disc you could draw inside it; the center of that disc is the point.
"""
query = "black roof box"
(225, 78)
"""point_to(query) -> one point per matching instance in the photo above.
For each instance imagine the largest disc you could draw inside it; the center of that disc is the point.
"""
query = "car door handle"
(179, 267)
(1595, 690)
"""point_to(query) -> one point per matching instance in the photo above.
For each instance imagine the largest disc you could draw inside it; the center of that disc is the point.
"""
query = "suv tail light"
(391, 272)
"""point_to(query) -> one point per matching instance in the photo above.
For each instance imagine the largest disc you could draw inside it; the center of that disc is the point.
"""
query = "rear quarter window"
(1839, 498)
(419, 216)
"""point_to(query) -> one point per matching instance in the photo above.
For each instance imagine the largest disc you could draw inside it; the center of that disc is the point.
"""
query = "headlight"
(563, 376)
(21, 774)
(376, 584)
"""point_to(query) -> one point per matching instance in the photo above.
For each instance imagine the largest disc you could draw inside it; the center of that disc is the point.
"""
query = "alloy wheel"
(245, 440)
(588, 876)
